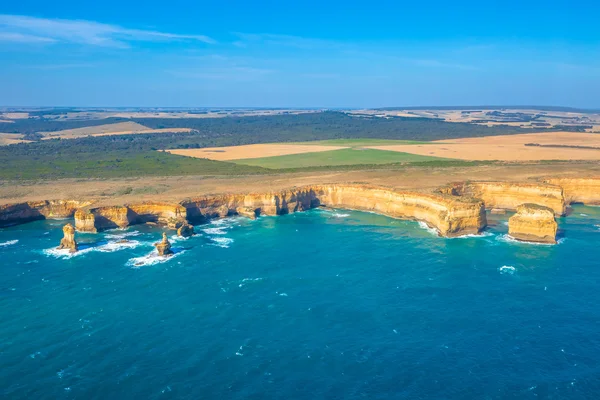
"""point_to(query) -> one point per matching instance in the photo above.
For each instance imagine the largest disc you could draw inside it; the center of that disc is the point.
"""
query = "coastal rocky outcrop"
(164, 247)
(13, 214)
(510, 195)
(68, 240)
(579, 190)
(185, 230)
(533, 223)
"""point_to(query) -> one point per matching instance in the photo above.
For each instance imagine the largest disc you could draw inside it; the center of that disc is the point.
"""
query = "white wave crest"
(122, 235)
(116, 246)
(215, 231)
(429, 229)
(340, 215)
(507, 269)
(474, 235)
(151, 259)
(509, 239)
(84, 249)
(222, 242)
(9, 243)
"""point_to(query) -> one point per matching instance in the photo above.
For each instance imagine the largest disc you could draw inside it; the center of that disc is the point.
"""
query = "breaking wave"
(509, 239)
(9, 243)
(221, 241)
(429, 229)
(85, 248)
(152, 258)
(507, 269)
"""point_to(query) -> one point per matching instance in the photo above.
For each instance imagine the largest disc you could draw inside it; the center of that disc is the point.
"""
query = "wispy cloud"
(299, 42)
(24, 29)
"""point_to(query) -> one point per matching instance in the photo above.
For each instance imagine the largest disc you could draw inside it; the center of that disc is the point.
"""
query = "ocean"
(314, 305)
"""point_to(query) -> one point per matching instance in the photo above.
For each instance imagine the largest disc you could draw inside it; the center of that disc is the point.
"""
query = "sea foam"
(9, 243)
(429, 229)
(152, 258)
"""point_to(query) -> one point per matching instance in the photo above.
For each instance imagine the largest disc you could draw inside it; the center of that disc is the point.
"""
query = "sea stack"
(68, 240)
(533, 223)
(163, 247)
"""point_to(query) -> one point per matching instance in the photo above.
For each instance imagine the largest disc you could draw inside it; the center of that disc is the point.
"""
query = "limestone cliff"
(68, 240)
(533, 223)
(95, 219)
(579, 190)
(163, 247)
(509, 195)
(451, 216)
(100, 218)
(13, 214)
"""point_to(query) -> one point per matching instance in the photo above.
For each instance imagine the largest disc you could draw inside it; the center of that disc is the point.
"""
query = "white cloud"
(17, 28)
(23, 38)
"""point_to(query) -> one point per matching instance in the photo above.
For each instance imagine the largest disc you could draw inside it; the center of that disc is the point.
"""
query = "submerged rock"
(533, 223)
(164, 247)
(68, 240)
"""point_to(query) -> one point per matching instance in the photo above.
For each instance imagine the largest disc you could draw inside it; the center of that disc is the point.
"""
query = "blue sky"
(299, 54)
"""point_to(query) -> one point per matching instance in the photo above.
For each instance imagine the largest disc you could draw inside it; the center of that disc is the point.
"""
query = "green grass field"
(352, 156)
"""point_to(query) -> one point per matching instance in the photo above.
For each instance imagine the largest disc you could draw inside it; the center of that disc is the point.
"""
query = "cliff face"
(533, 223)
(155, 212)
(68, 240)
(579, 190)
(12, 214)
(508, 195)
(100, 218)
(451, 216)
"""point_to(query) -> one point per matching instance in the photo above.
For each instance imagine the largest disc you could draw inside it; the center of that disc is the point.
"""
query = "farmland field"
(526, 147)
(351, 156)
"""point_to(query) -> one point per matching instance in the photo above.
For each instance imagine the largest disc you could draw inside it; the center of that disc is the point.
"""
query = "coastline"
(457, 209)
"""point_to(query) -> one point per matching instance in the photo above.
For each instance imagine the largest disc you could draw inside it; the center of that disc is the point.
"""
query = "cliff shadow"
(19, 214)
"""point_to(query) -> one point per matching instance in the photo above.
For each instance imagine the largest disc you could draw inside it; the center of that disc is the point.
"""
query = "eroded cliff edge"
(510, 195)
(451, 216)
(12, 214)
(578, 190)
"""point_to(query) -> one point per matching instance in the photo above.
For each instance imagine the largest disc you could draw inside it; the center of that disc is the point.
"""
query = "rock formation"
(247, 212)
(579, 190)
(68, 240)
(509, 195)
(185, 230)
(533, 223)
(163, 247)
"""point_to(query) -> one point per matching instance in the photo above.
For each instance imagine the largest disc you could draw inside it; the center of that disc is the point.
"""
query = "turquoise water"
(314, 305)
